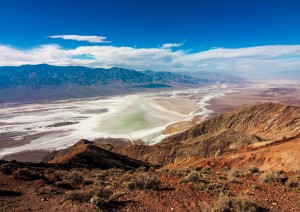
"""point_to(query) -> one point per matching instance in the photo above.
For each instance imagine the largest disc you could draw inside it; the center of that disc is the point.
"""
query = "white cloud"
(244, 61)
(87, 38)
(171, 45)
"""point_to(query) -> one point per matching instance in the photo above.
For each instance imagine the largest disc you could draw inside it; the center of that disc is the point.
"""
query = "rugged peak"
(86, 154)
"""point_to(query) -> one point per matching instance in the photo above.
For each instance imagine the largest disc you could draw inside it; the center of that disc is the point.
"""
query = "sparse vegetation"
(26, 174)
(6, 169)
(254, 170)
(236, 173)
(236, 204)
(80, 196)
(63, 185)
(273, 177)
(292, 183)
(144, 181)
(191, 177)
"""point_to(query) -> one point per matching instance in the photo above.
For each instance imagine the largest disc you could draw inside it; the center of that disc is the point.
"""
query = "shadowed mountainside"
(46, 82)
(86, 154)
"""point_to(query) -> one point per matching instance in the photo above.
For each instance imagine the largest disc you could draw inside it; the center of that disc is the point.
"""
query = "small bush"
(63, 185)
(206, 170)
(88, 182)
(106, 194)
(236, 173)
(254, 170)
(6, 169)
(141, 169)
(191, 177)
(273, 177)
(198, 168)
(292, 183)
(200, 186)
(183, 172)
(143, 181)
(26, 174)
(236, 204)
(80, 196)
(214, 186)
(74, 178)
(256, 187)
(102, 175)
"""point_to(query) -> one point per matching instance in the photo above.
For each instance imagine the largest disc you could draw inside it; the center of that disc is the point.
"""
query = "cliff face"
(222, 134)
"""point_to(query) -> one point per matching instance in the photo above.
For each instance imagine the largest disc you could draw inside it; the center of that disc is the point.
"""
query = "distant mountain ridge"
(47, 82)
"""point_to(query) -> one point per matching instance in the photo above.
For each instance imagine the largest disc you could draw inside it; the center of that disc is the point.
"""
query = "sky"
(243, 37)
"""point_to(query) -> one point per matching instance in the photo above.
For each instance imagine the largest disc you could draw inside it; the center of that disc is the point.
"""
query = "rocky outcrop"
(86, 154)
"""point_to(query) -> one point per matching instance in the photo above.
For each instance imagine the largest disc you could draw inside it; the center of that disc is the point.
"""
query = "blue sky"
(236, 36)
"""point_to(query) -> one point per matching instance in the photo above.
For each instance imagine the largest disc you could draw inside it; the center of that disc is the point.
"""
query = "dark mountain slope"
(45, 82)
(86, 154)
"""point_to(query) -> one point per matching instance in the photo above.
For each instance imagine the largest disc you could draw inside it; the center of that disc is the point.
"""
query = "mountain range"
(46, 82)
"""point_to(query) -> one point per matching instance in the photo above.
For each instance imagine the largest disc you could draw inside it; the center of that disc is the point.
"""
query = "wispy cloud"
(243, 61)
(171, 45)
(87, 38)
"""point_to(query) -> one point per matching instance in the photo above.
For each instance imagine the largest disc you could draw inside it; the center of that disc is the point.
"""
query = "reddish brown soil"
(171, 196)
(280, 155)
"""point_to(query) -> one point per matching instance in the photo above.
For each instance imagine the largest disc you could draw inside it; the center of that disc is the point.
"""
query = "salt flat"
(144, 116)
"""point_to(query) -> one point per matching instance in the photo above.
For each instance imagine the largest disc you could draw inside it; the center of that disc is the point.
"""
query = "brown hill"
(280, 155)
(86, 154)
(224, 134)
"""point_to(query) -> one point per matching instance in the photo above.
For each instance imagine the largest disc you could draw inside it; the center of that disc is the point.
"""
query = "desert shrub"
(105, 195)
(80, 196)
(200, 186)
(232, 179)
(74, 178)
(236, 173)
(141, 169)
(143, 181)
(191, 177)
(126, 177)
(223, 175)
(26, 174)
(152, 169)
(256, 187)
(254, 170)
(102, 175)
(63, 185)
(6, 169)
(273, 177)
(204, 207)
(236, 204)
(206, 170)
(198, 168)
(183, 172)
(88, 182)
(292, 183)
(214, 186)
(225, 168)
